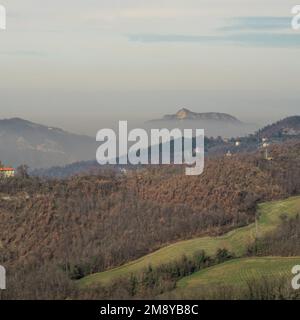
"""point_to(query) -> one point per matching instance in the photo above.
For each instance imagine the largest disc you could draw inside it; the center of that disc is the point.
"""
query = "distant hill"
(277, 133)
(39, 146)
(283, 131)
(287, 127)
(214, 123)
(25, 142)
(185, 114)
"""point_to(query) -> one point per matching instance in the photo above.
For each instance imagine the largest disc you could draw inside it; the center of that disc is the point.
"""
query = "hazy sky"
(85, 64)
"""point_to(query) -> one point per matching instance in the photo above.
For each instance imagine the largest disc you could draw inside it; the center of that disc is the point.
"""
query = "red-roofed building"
(7, 172)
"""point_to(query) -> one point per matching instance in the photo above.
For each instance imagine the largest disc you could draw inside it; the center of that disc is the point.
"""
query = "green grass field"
(236, 241)
(238, 271)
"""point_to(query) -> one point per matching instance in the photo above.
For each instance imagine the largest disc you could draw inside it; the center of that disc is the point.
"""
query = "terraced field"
(238, 272)
(236, 241)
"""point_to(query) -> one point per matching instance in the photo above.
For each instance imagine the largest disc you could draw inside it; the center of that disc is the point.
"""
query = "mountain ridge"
(37, 145)
(186, 114)
(214, 123)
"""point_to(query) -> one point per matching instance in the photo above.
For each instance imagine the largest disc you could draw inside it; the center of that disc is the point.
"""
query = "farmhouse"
(7, 172)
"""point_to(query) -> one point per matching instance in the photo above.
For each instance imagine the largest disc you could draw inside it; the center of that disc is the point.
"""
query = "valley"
(139, 233)
(235, 241)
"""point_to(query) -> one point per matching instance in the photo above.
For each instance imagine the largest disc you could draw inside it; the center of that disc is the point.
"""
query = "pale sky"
(85, 64)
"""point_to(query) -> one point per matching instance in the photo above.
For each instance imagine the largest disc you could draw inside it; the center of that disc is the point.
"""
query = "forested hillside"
(88, 224)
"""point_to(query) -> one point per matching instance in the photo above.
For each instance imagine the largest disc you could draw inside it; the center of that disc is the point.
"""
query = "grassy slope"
(236, 241)
(238, 271)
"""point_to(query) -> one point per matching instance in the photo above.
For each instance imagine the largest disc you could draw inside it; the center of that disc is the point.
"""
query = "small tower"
(265, 145)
